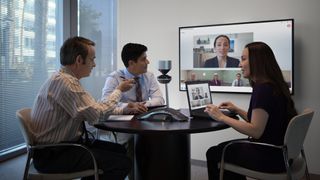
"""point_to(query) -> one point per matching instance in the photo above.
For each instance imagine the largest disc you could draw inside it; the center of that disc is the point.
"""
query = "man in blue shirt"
(134, 58)
(145, 93)
(238, 81)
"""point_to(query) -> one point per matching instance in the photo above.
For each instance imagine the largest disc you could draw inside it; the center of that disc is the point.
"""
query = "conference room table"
(162, 149)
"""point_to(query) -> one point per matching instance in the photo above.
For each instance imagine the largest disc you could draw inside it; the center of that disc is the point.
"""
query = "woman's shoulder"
(265, 88)
(262, 85)
(212, 62)
(212, 59)
(232, 58)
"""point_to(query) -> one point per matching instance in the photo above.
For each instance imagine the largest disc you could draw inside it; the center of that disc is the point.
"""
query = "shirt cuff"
(118, 111)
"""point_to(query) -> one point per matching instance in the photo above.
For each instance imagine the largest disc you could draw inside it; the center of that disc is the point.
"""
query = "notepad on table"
(119, 118)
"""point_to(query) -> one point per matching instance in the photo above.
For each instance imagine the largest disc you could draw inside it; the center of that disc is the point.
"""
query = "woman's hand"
(214, 112)
(228, 105)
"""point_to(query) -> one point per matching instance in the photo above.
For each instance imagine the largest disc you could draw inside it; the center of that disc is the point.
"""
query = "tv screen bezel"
(239, 23)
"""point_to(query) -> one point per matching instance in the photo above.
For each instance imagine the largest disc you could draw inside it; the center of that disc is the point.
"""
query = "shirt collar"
(129, 75)
(67, 71)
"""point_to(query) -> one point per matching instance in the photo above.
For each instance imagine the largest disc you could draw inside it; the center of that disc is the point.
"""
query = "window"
(26, 60)
(29, 53)
(97, 21)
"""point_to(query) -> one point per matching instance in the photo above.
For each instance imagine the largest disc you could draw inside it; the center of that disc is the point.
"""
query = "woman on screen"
(221, 46)
(215, 81)
(266, 120)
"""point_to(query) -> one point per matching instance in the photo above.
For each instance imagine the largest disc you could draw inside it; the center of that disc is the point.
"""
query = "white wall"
(155, 23)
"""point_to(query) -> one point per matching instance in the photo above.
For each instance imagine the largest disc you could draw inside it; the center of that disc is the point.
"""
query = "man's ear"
(79, 59)
(131, 62)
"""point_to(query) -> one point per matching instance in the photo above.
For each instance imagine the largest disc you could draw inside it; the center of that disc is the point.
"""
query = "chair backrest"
(296, 132)
(24, 116)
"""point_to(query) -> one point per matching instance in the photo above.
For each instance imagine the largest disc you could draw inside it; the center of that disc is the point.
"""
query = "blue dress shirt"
(151, 93)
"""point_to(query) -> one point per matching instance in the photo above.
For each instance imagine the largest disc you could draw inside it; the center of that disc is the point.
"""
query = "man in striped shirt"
(61, 107)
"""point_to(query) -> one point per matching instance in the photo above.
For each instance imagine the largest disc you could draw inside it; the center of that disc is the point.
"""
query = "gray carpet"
(13, 169)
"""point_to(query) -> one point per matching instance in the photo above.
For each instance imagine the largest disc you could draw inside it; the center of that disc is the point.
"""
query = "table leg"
(162, 157)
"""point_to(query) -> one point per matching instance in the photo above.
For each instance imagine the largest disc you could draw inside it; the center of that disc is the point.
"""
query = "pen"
(124, 79)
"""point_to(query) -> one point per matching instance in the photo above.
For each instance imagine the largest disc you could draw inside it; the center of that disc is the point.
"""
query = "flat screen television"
(196, 47)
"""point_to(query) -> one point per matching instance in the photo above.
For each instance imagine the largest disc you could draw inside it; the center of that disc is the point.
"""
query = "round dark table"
(162, 149)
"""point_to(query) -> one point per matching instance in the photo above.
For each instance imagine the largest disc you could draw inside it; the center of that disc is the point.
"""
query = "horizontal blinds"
(28, 57)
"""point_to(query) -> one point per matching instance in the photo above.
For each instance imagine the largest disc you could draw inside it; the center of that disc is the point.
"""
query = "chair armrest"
(251, 142)
(42, 146)
(243, 142)
(247, 142)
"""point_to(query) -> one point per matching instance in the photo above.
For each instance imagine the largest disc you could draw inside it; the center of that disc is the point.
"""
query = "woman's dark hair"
(132, 51)
(73, 47)
(215, 40)
(265, 69)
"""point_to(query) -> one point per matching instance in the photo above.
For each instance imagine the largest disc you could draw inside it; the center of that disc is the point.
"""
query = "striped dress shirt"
(62, 105)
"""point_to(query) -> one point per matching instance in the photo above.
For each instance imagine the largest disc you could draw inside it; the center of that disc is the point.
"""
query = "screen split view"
(198, 52)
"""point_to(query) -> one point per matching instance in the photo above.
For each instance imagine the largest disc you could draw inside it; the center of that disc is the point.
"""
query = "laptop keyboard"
(201, 113)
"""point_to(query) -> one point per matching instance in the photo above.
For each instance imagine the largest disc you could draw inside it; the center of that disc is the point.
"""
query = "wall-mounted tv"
(197, 52)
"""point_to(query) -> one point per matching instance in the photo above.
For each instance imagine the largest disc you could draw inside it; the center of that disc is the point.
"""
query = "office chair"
(24, 116)
(292, 149)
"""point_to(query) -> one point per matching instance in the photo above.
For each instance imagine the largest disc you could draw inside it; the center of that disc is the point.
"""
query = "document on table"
(119, 118)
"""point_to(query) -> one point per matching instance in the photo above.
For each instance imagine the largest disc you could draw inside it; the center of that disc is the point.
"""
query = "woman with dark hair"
(266, 120)
(221, 46)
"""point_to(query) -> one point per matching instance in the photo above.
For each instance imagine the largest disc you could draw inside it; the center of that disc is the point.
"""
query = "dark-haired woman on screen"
(221, 46)
(266, 120)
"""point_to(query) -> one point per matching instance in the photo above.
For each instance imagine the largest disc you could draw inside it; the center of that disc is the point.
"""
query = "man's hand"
(135, 108)
(126, 84)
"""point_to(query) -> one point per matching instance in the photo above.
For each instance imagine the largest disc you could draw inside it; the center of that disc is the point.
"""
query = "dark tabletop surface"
(143, 127)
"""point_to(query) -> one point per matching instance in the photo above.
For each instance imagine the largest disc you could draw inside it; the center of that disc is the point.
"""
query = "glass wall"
(97, 21)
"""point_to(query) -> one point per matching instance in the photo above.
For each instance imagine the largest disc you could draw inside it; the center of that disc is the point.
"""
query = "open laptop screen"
(199, 95)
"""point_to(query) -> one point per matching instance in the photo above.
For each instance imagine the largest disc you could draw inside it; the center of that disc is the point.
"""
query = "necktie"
(238, 82)
(138, 90)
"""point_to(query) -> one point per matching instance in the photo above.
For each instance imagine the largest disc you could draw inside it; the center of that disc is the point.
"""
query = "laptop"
(199, 97)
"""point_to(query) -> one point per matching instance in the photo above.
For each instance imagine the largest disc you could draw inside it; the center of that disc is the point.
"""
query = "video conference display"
(198, 57)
